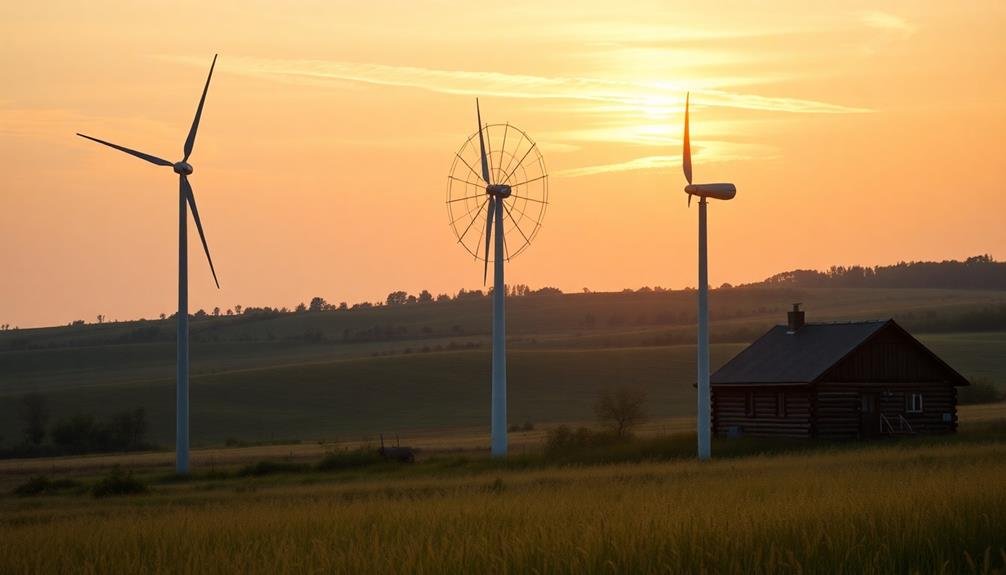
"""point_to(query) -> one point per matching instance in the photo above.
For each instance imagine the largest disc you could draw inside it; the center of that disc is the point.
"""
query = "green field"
(261, 379)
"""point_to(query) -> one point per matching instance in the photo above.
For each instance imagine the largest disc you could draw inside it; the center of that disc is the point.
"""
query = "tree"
(230, 311)
(216, 312)
(620, 409)
(35, 417)
(425, 297)
(301, 308)
(101, 318)
(343, 305)
(237, 309)
(163, 316)
(443, 297)
(397, 298)
(318, 304)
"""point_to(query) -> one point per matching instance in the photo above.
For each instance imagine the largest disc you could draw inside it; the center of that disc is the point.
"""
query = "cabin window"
(913, 403)
(749, 410)
(780, 404)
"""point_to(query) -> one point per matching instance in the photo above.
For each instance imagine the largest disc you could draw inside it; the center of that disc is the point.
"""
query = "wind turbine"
(703, 191)
(185, 199)
(511, 187)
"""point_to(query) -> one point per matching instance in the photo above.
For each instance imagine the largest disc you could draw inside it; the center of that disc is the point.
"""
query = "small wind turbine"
(703, 191)
(185, 198)
(512, 184)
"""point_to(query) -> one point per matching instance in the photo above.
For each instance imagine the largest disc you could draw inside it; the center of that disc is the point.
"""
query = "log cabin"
(841, 380)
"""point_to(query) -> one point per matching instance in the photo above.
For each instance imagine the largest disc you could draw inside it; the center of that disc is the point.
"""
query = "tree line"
(76, 434)
(977, 272)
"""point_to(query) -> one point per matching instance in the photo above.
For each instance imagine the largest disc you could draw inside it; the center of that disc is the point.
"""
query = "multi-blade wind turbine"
(511, 189)
(186, 199)
(703, 191)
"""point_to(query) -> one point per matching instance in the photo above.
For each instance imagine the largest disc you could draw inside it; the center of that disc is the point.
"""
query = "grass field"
(252, 388)
(912, 507)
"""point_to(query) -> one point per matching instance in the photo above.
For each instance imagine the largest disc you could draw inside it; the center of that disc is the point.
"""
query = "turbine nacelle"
(715, 191)
(498, 190)
(182, 168)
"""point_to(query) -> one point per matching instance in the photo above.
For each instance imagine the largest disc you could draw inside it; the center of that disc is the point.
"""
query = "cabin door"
(869, 415)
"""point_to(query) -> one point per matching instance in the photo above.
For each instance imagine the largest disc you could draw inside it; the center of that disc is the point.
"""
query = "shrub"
(981, 390)
(339, 460)
(42, 485)
(118, 483)
(271, 467)
(563, 439)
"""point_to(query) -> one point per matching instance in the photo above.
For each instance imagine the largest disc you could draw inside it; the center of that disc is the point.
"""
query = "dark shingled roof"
(801, 357)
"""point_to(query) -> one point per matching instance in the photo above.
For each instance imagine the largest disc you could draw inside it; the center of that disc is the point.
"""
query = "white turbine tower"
(185, 199)
(512, 187)
(703, 191)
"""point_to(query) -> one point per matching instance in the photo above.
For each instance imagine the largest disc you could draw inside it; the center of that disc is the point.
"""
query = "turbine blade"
(686, 153)
(489, 229)
(199, 112)
(482, 145)
(187, 188)
(141, 155)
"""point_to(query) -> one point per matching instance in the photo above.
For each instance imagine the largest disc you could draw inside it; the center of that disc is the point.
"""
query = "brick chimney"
(794, 319)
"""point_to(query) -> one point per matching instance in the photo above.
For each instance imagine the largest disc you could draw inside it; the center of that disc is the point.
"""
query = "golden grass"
(462, 440)
(897, 509)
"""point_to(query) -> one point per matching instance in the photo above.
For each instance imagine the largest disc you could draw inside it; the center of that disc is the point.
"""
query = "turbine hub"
(182, 168)
(498, 190)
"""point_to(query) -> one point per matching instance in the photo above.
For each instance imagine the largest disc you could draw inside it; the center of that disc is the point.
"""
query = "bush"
(981, 390)
(563, 439)
(118, 483)
(42, 485)
(270, 468)
(339, 460)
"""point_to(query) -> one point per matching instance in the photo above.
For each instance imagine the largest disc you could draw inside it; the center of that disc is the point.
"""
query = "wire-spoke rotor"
(514, 160)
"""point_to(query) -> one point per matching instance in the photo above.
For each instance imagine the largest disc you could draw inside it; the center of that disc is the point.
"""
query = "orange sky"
(855, 134)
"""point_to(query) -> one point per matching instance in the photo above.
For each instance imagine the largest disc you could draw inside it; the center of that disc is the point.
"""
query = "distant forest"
(978, 272)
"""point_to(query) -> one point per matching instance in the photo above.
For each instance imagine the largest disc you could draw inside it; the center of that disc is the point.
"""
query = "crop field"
(914, 507)
(407, 394)
(259, 380)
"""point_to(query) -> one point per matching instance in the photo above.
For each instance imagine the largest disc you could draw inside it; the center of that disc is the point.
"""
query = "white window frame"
(913, 403)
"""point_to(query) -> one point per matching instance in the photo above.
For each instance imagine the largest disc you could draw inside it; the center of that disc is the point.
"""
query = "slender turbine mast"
(511, 186)
(703, 191)
(186, 199)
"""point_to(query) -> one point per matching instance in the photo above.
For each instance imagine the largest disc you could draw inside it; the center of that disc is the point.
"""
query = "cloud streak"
(521, 86)
(886, 21)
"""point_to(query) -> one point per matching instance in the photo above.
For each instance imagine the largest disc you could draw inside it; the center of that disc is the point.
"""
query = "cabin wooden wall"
(837, 407)
(733, 408)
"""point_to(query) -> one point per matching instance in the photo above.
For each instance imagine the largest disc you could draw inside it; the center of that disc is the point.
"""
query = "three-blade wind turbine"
(703, 191)
(511, 189)
(186, 199)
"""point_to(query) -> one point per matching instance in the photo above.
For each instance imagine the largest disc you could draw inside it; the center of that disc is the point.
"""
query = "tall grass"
(899, 509)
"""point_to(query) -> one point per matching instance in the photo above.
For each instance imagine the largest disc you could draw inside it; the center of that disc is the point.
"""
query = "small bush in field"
(270, 468)
(564, 439)
(118, 483)
(42, 485)
(981, 390)
(339, 460)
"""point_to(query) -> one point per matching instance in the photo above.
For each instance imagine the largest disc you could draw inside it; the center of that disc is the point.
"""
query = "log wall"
(838, 404)
(759, 412)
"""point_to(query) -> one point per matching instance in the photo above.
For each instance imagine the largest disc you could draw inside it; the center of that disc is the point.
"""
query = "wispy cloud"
(710, 152)
(886, 21)
(502, 85)
(611, 110)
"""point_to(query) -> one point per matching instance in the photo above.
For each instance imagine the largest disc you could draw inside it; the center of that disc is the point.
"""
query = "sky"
(856, 133)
